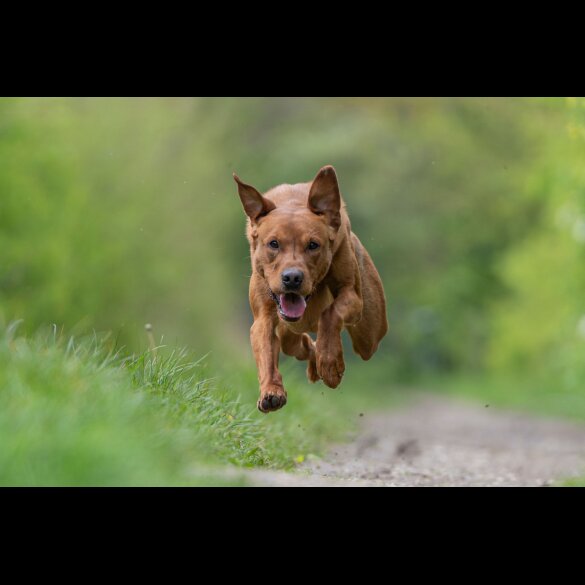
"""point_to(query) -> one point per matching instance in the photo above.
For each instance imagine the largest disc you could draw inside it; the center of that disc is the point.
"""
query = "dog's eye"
(313, 245)
(273, 244)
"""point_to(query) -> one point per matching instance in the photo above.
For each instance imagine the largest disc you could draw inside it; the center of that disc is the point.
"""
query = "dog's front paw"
(330, 368)
(272, 399)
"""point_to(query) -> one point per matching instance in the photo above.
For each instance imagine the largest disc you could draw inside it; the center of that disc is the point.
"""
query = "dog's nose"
(292, 278)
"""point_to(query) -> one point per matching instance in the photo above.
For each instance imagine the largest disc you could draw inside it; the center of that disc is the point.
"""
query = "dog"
(310, 274)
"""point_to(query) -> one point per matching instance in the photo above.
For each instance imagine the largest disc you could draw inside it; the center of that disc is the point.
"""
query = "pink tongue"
(292, 305)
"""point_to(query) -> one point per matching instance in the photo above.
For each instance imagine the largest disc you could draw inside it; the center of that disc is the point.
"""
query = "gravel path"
(435, 441)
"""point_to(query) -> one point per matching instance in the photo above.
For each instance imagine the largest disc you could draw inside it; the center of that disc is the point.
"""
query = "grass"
(77, 412)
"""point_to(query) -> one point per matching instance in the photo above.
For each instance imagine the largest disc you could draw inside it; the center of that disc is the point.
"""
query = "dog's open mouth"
(291, 306)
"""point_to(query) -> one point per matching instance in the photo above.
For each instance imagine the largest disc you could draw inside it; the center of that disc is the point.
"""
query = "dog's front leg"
(266, 347)
(346, 309)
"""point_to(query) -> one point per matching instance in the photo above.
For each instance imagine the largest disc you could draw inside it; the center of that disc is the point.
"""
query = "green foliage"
(117, 212)
(106, 215)
(78, 413)
(540, 325)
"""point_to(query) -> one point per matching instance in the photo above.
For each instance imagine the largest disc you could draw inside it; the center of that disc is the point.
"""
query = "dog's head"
(292, 231)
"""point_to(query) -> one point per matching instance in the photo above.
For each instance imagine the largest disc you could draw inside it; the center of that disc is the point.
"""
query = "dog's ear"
(324, 197)
(254, 204)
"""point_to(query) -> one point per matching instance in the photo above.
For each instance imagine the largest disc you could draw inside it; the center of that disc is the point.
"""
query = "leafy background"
(118, 212)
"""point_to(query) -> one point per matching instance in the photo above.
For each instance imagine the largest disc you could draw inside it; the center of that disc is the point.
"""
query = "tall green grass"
(79, 412)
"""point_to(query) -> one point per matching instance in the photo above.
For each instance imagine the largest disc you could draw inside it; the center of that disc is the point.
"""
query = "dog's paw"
(273, 399)
(331, 368)
(312, 373)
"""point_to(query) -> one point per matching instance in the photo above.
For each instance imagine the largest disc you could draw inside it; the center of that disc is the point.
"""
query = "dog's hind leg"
(371, 328)
(301, 346)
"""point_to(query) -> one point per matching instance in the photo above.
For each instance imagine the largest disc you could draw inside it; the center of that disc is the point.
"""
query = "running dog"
(310, 274)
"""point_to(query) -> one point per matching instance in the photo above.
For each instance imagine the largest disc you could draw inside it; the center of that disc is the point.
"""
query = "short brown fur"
(342, 284)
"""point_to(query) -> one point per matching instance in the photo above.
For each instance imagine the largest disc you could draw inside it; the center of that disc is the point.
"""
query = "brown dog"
(310, 273)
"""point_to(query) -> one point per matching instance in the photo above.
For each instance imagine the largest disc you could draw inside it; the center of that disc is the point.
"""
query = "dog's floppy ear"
(254, 204)
(324, 197)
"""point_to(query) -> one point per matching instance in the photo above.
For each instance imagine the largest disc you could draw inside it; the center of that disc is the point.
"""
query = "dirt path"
(435, 441)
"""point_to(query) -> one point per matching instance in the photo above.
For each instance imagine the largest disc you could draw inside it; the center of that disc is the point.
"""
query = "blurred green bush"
(118, 212)
(539, 326)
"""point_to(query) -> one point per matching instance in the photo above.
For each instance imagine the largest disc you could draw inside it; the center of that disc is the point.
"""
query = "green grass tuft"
(77, 412)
